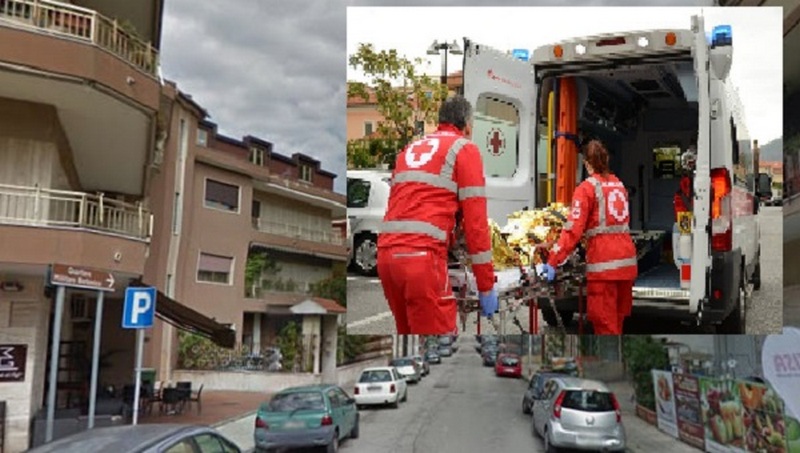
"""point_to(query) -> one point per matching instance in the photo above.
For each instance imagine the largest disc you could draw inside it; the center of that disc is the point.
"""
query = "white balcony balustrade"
(84, 24)
(333, 236)
(35, 206)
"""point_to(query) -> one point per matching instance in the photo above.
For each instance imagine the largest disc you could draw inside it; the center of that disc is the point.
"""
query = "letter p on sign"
(140, 308)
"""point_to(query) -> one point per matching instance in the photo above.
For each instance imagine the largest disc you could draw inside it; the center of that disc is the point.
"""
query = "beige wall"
(357, 116)
(24, 320)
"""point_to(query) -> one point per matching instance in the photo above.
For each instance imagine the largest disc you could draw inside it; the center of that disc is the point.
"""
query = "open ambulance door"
(502, 92)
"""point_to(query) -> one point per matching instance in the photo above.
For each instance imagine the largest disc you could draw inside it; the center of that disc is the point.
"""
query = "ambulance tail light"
(721, 211)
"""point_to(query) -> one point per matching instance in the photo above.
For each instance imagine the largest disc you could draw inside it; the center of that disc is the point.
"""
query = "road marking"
(370, 319)
(350, 279)
(375, 280)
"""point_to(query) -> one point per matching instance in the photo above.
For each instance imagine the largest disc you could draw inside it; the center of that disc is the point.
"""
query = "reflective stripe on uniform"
(474, 191)
(601, 199)
(450, 158)
(613, 229)
(568, 226)
(426, 178)
(610, 265)
(413, 226)
(482, 258)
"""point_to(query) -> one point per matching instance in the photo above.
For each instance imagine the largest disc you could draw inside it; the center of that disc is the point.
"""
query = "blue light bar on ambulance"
(721, 36)
(520, 54)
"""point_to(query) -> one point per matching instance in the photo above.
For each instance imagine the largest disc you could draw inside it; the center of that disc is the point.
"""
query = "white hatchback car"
(367, 200)
(381, 385)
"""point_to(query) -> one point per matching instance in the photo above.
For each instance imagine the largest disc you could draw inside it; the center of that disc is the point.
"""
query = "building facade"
(110, 172)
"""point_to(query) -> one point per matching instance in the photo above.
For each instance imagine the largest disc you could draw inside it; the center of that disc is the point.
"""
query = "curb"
(233, 419)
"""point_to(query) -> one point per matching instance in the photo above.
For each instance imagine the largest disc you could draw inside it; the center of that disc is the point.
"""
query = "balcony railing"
(334, 236)
(83, 24)
(36, 206)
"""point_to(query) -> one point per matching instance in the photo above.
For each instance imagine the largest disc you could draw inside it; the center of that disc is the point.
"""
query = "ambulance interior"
(647, 115)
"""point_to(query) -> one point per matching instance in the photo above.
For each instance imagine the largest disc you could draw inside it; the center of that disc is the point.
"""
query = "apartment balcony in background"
(38, 207)
(82, 24)
(332, 236)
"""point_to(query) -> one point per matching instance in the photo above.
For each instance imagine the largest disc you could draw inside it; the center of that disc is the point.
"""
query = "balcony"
(333, 236)
(35, 206)
(81, 24)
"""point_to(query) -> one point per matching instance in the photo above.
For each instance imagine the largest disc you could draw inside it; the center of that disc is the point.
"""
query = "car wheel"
(365, 254)
(405, 396)
(396, 403)
(333, 447)
(355, 432)
(548, 447)
(734, 324)
(525, 408)
(756, 280)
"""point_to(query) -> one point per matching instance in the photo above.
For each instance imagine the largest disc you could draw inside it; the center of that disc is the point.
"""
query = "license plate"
(510, 370)
(293, 424)
(374, 388)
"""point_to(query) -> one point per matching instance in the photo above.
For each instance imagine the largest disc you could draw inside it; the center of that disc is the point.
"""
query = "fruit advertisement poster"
(767, 429)
(723, 415)
(688, 411)
(665, 402)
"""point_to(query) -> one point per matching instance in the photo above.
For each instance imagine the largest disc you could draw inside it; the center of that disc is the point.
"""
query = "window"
(209, 443)
(368, 128)
(257, 156)
(256, 214)
(214, 269)
(306, 172)
(375, 376)
(495, 129)
(333, 397)
(357, 193)
(184, 446)
(588, 401)
(222, 196)
(202, 137)
(288, 402)
(176, 214)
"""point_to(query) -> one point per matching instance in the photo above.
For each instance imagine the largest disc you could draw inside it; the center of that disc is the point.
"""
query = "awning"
(185, 318)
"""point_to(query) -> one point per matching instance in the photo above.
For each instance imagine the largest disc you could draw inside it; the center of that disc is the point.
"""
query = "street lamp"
(436, 48)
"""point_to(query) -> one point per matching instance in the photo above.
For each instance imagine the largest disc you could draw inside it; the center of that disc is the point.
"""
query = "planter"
(646, 415)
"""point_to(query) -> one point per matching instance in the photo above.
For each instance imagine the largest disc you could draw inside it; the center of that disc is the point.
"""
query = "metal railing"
(36, 206)
(84, 24)
(334, 236)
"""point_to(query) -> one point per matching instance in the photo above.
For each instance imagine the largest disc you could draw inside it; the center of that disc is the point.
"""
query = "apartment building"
(226, 203)
(109, 173)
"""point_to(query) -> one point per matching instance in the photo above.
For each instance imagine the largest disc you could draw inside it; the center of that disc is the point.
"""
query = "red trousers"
(608, 303)
(417, 288)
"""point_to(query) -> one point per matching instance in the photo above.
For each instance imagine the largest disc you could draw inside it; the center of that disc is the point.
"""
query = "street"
(368, 312)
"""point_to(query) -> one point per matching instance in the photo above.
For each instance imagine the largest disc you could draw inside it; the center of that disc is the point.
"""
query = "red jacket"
(683, 197)
(434, 177)
(600, 211)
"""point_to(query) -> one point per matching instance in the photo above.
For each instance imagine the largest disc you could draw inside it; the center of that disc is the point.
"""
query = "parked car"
(490, 357)
(407, 369)
(445, 351)
(380, 385)
(578, 413)
(433, 357)
(535, 387)
(508, 365)
(447, 340)
(146, 438)
(308, 416)
(367, 200)
(422, 362)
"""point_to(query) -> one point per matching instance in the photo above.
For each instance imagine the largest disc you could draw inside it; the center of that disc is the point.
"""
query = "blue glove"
(546, 271)
(488, 302)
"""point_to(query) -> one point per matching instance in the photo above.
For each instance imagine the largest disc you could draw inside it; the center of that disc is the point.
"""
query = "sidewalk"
(642, 436)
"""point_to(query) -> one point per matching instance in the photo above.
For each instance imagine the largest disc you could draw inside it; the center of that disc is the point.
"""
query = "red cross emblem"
(421, 152)
(496, 142)
(617, 205)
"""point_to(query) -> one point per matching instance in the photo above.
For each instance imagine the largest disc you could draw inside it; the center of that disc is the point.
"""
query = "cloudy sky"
(276, 69)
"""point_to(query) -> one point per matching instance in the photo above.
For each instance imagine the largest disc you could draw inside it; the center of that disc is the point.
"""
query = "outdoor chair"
(185, 392)
(171, 401)
(195, 398)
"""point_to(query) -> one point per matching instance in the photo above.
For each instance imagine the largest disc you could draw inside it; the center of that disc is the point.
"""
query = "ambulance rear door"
(502, 92)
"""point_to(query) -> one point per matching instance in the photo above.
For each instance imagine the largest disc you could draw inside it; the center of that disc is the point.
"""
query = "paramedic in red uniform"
(600, 212)
(435, 177)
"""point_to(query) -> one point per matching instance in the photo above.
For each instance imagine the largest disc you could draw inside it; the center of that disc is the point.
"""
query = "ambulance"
(649, 96)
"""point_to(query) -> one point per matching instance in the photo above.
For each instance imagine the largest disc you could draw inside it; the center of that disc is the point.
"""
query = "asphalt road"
(368, 312)
(459, 407)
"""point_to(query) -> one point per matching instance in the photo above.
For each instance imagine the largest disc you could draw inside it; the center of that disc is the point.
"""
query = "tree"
(642, 354)
(403, 96)
(258, 263)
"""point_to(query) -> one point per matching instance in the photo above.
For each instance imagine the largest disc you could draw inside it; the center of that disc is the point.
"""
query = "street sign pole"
(98, 329)
(137, 389)
(54, 359)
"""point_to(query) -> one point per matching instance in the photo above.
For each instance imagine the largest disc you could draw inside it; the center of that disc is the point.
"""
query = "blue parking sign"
(140, 308)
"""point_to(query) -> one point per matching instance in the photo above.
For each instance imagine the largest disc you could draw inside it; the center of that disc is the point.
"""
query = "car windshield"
(588, 401)
(444, 340)
(402, 362)
(432, 354)
(287, 402)
(357, 193)
(376, 376)
(510, 361)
